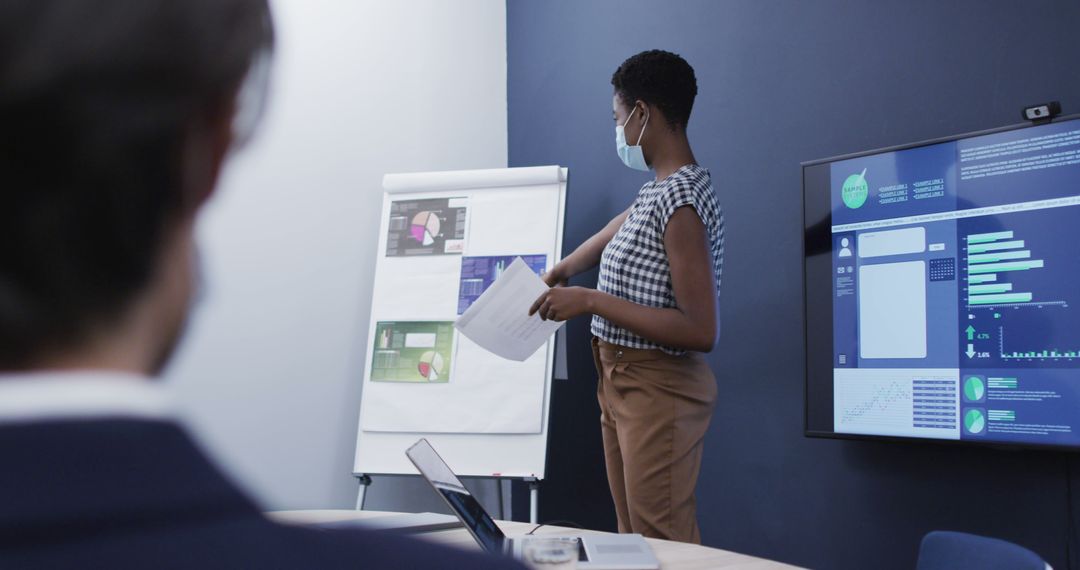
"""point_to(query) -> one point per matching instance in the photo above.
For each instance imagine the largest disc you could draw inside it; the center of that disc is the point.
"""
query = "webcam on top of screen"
(1043, 112)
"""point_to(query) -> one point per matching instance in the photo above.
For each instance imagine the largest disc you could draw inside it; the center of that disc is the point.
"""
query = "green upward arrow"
(970, 332)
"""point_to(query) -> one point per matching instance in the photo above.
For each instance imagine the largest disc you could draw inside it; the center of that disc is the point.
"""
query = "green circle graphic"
(855, 190)
(974, 388)
(974, 421)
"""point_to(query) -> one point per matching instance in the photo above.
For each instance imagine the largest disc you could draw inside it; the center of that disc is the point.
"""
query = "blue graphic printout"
(478, 273)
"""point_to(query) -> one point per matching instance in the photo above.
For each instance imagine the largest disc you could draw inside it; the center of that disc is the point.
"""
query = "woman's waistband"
(615, 352)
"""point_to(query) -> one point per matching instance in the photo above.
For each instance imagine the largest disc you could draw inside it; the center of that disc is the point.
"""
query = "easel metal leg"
(502, 499)
(365, 482)
(534, 502)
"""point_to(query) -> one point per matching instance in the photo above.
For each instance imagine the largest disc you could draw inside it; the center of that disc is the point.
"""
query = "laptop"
(597, 551)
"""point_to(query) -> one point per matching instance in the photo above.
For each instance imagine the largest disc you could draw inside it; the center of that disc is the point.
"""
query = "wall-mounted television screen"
(943, 289)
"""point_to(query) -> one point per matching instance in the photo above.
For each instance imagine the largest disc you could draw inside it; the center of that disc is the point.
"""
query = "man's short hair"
(99, 99)
(658, 78)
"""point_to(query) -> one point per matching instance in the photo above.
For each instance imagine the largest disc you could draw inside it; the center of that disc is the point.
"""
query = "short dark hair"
(658, 78)
(99, 99)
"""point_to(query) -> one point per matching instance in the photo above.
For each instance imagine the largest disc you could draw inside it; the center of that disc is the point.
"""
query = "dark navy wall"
(782, 82)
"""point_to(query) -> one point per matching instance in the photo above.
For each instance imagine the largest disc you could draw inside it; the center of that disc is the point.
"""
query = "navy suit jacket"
(123, 493)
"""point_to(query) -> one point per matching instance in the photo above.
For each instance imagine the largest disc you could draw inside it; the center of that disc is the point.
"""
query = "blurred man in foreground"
(115, 119)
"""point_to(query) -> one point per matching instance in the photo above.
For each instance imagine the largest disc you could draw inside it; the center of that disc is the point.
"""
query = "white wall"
(270, 371)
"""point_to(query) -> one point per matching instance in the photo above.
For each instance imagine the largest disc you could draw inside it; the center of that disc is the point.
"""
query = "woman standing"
(655, 308)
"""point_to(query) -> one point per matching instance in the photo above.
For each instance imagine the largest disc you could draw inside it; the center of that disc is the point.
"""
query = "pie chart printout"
(422, 227)
(425, 228)
(431, 366)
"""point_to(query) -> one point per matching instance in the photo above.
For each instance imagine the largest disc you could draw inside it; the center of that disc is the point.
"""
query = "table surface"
(672, 555)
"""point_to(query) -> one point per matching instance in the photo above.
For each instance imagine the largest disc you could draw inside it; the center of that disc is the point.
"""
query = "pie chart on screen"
(974, 421)
(425, 226)
(431, 365)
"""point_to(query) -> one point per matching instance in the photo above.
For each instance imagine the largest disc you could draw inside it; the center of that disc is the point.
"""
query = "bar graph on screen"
(1020, 292)
(991, 258)
(1037, 354)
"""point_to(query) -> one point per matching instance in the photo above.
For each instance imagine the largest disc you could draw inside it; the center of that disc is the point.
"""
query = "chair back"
(945, 550)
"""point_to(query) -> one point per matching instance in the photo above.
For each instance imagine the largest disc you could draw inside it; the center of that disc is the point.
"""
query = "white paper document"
(499, 320)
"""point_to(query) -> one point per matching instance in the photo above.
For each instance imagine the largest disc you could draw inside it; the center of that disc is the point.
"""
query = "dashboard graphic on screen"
(943, 289)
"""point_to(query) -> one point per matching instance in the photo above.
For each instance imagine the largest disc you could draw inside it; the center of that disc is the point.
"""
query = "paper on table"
(499, 320)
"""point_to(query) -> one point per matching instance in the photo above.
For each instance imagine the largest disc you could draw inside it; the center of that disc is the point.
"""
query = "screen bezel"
(813, 358)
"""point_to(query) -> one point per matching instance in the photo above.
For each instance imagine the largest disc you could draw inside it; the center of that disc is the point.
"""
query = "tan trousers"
(654, 411)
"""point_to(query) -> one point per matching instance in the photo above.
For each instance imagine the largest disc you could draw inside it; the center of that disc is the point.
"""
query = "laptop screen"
(468, 509)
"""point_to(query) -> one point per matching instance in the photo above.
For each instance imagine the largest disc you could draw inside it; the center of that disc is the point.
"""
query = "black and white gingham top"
(635, 266)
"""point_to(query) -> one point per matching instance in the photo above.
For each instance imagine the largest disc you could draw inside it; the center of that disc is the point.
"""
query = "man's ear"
(205, 152)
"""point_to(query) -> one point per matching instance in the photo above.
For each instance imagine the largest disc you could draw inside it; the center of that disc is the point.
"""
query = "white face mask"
(631, 156)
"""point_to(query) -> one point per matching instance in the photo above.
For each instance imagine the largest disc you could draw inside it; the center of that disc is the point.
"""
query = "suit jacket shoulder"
(122, 493)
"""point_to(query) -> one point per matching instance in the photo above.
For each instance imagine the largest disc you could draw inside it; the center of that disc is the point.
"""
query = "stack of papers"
(499, 320)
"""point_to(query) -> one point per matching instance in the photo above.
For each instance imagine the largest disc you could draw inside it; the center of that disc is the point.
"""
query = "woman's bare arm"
(587, 255)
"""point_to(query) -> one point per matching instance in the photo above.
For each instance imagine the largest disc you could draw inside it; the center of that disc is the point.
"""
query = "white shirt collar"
(42, 396)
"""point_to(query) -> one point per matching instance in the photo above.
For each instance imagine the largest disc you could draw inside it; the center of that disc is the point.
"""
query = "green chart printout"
(412, 351)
